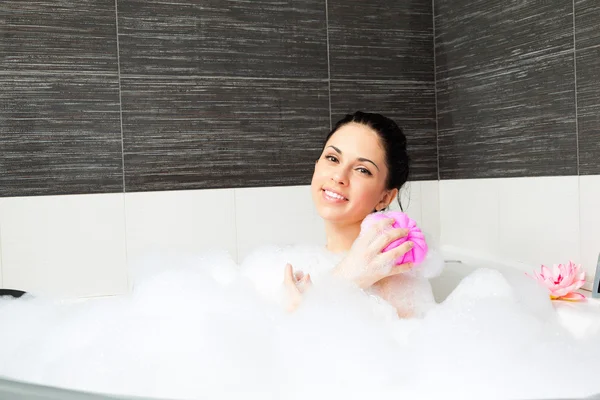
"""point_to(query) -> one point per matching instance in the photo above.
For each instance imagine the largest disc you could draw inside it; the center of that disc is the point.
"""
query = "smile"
(334, 195)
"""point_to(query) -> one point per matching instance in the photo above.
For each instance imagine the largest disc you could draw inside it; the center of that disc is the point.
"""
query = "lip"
(324, 190)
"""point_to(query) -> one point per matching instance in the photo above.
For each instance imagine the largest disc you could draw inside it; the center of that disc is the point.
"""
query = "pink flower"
(562, 281)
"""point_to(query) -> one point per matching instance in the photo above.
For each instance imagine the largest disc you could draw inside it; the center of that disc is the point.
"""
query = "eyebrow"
(359, 159)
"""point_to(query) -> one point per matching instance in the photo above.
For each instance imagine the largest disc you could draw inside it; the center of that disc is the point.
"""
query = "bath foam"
(191, 330)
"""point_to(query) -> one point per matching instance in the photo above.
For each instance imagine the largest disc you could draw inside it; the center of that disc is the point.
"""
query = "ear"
(386, 200)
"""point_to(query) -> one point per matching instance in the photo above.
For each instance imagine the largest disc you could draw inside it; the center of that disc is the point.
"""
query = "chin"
(337, 217)
(329, 214)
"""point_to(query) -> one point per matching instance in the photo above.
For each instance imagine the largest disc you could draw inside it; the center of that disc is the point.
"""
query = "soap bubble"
(200, 326)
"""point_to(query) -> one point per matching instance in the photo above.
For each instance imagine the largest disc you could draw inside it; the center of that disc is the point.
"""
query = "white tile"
(410, 196)
(276, 215)
(589, 198)
(1, 283)
(67, 246)
(420, 201)
(469, 215)
(181, 222)
(539, 220)
(430, 209)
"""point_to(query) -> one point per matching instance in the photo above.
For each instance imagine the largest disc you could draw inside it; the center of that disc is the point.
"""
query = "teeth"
(334, 195)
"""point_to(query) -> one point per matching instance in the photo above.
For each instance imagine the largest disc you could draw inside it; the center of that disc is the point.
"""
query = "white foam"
(196, 327)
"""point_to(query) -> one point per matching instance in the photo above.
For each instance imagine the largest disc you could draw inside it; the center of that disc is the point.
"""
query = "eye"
(364, 171)
(331, 158)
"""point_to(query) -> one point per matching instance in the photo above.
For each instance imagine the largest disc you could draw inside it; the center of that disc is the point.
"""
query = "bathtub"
(580, 319)
(18, 390)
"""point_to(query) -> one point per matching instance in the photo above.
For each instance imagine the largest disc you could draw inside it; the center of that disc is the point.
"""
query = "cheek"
(318, 174)
(368, 194)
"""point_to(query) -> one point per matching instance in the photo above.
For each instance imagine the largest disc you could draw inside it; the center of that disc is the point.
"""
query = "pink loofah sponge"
(418, 252)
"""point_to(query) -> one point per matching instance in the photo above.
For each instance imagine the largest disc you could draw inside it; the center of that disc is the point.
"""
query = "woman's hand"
(365, 264)
(295, 284)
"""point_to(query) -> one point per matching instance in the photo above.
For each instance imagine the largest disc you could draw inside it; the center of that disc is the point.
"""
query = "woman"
(363, 165)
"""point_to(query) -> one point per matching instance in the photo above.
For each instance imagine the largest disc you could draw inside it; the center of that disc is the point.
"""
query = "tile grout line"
(498, 206)
(437, 134)
(440, 196)
(127, 275)
(421, 204)
(1, 263)
(223, 77)
(577, 140)
(59, 73)
(579, 241)
(575, 84)
(120, 97)
(328, 62)
(235, 228)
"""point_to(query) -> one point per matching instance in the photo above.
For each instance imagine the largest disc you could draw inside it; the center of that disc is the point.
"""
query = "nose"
(340, 176)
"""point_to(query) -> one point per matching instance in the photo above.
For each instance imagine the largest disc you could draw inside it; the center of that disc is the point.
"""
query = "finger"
(298, 275)
(402, 268)
(305, 283)
(301, 284)
(387, 237)
(398, 252)
(288, 275)
(377, 228)
(305, 279)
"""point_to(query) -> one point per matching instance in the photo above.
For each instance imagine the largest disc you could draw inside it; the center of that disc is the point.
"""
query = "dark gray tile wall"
(381, 60)
(410, 104)
(222, 94)
(228, 94)
(189, 133)
(587, 34)
(201, 94)
(505, 88)
(258, 38)
(59, 98)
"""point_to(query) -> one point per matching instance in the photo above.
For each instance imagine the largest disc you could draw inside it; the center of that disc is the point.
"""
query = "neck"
(341, 236)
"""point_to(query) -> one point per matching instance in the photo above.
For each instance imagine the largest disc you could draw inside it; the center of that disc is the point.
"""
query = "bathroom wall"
(533, 221)
(86, 245)
(143, 127)
(101, 96)
(518, 89)
(137, 126)
(518, 105)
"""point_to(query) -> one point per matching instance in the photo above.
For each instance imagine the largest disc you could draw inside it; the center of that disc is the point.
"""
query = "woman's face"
(349, 178)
